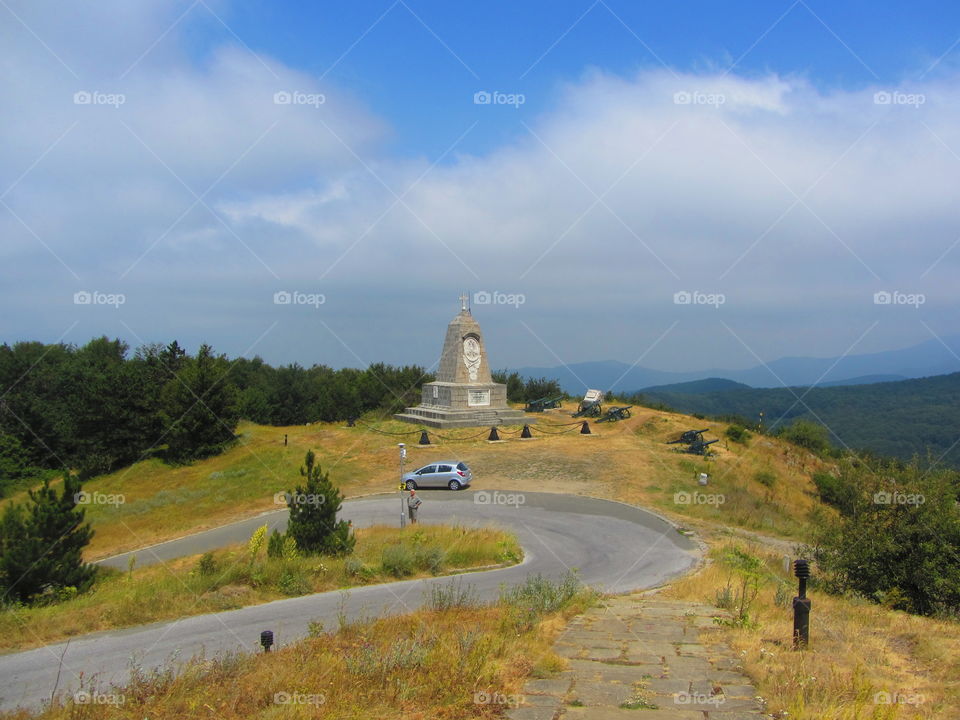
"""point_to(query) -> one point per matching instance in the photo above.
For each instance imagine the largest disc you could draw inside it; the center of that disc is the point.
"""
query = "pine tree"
(199, 407)
(41, 545)
(313, 514)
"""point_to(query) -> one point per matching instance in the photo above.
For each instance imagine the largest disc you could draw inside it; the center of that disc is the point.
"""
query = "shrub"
(837, 492)
(541, 594)
(430, 559)
(738, 434)
(256, 542)
(900, 542)
(809, 435)
(207, 565)
(452, 595)
(397, 560)
(293, 582)
(313, 513)
(356, 568)
(766, 478)
(275, 544)
(738, 595)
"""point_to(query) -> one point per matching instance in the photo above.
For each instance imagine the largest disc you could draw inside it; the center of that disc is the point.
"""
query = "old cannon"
(590, 405)
(688, 437)
(616, 413)
(699, 447)
(543, 404)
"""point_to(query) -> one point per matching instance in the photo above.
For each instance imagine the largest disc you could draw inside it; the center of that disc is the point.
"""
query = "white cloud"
(704, 169)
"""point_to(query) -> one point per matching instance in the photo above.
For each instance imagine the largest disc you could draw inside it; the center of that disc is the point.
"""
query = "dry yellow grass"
(465, 662)
(856, 651)
(627, 461)
(178, 589)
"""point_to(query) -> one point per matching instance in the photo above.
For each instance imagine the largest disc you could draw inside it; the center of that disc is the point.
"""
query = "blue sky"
(416, 59)
(777, 164)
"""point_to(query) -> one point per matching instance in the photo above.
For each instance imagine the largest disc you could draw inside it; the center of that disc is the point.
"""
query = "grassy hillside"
(858, 648)
(892, 418)
(627, 461)
(455, 659)
(230, 578)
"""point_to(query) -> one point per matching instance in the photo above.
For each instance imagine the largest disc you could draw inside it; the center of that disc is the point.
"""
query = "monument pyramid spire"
(464, 393)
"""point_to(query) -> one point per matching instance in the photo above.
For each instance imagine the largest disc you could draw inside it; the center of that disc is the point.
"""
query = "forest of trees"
(99, 407)
(899, 419)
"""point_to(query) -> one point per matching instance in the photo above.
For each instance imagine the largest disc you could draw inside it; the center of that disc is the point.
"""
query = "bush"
(356, 568)
(397, 560)
(766, 478)
(837, 492)
(452, 595)
(738, 434)
(207, 565)
(528, 603)
(899, 542)
(541, 594)
(275, 544)
(808, 435)
(313, 509)
(293, 582)
(431, 559)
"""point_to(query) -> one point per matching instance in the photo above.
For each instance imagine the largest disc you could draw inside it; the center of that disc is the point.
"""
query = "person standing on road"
(413, 505)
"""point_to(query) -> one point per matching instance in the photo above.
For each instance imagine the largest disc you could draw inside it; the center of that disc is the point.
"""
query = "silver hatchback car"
(445, 473)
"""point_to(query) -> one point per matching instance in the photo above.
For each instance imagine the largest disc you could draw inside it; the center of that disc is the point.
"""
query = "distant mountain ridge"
(900, 418)
(925, 359)
(695, 387)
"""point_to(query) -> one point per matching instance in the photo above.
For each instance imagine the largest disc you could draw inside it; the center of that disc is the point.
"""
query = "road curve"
(615, 548)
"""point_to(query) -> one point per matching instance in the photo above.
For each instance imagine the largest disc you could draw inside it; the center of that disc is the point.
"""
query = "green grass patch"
(227, 579)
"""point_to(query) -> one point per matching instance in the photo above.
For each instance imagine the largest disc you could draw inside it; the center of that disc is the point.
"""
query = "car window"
(462, 466)
(427, 469)
(444, 468)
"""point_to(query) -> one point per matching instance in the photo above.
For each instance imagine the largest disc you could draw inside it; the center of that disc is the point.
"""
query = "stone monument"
(464, 394)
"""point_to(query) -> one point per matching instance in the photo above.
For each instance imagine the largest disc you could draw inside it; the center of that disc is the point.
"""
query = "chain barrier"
(569, 427)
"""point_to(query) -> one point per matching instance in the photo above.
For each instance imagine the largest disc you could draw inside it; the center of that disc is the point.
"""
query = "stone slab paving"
(640, 657)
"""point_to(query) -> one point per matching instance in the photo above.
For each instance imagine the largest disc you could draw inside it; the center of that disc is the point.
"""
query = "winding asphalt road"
(616, 548)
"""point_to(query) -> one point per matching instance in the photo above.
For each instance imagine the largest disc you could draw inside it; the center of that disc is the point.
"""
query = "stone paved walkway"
(643, 658)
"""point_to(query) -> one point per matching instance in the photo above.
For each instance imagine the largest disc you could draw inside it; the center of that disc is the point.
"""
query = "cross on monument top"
(463, 302)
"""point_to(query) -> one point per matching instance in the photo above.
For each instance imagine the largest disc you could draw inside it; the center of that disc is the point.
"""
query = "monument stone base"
(453, 405)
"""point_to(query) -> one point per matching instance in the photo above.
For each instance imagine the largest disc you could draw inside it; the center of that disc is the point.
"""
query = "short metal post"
(801, 606)
(403, 456)
(266, 640)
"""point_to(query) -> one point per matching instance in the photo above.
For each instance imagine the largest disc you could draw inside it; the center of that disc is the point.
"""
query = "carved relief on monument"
(472, 355)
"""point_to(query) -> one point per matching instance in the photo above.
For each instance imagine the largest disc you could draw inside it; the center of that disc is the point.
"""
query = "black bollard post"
(266, 639)
(585, 429)
(801, 606)
(284, 439)
(494, 435)
(424, 439)
(526, 432)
